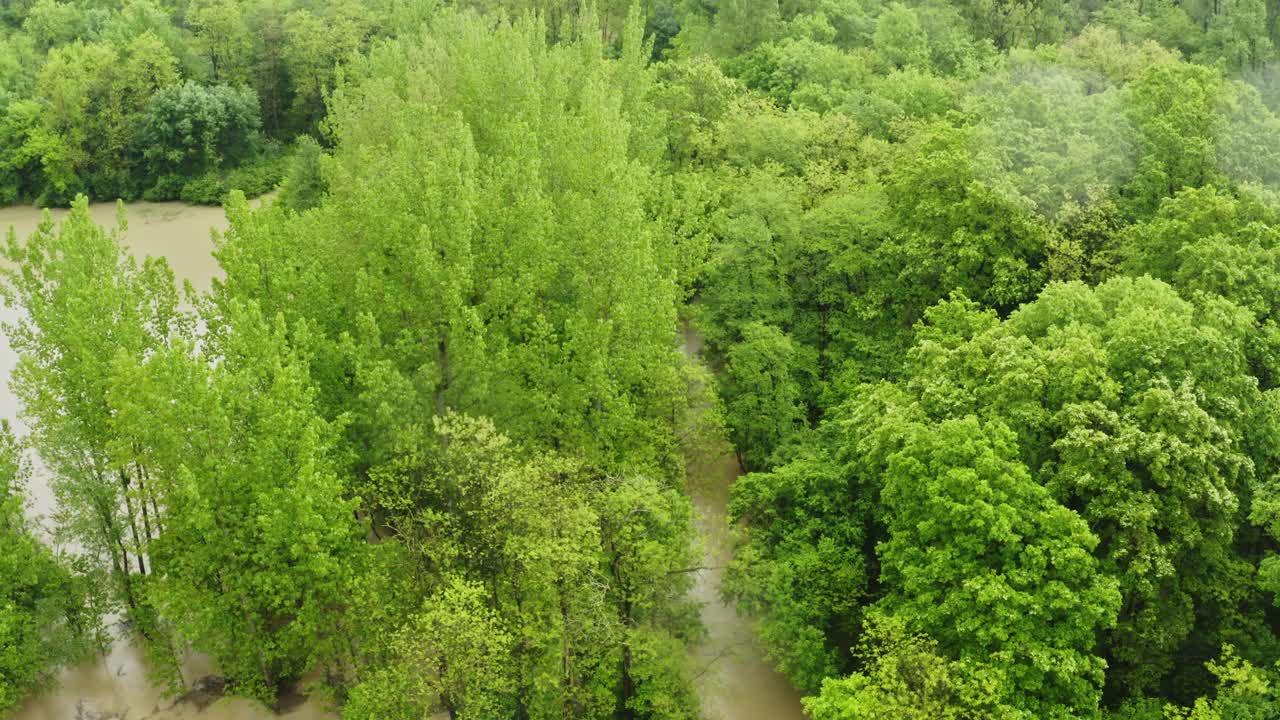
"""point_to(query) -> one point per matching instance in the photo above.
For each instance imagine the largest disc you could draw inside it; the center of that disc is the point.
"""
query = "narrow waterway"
(736, 682)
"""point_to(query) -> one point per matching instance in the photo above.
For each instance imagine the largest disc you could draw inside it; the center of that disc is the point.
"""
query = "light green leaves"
(44, 619)
(982, 559)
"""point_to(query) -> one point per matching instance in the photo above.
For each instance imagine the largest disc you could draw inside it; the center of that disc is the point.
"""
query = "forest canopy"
(989, 295)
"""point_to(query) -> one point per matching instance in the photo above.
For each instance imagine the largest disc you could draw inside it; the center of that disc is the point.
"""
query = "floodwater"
(736, 681)
(179, 232)
(116, 686)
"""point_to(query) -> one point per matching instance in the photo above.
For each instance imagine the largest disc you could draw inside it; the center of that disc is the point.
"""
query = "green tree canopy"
(44, 617)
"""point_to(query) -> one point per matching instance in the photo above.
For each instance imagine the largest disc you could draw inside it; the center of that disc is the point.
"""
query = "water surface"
(117, 685)
(736, 682)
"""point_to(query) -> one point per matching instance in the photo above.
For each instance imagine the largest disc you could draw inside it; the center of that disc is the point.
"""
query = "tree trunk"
(146, 516)
(133, 523)
(119, 554)
(446, 375)
(628, 690)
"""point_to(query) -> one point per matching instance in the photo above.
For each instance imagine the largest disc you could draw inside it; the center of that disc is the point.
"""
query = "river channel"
(736, 681)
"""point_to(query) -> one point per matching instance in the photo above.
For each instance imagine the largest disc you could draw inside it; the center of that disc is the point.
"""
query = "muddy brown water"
(179, 232)
(739, 682)
(736, 681)
(116, 686)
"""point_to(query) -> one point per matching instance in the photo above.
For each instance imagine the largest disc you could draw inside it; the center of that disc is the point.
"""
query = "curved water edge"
(735, 680)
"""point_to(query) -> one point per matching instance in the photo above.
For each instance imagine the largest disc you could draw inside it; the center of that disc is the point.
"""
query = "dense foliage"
(44, 617)
(991, 300)
(167, 99)
(997, 337)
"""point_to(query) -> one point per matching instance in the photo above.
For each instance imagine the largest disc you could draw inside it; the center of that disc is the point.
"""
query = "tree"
(1243, 691)
(87, 303)
(647, 533)
(478, 253)
(189, 129)
(304, 186)
(223, 35)
(145, 68)
(259, 541)
(958, 230)
(140, 17)
(1052, 133)
(907, 677)
(555, 591)
(455, 657)
(729, 28)
(52, 23)
(93, 97)
(20, 173)
(1173, 108)
(801, 569)
(314, 45)
(1238, 35)
(1201, 237)
(982, 559)
(747, 274)
(68, 85)
(762, 400)
(1009, 23)
(899, 38)
(694, 94)
(266, 20)
(1123, 408)
(44, 618)
(523, 529)
(1115, 433)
